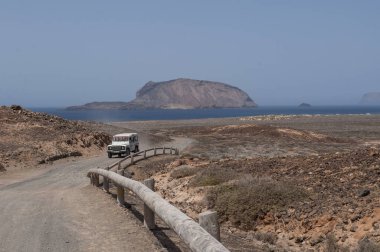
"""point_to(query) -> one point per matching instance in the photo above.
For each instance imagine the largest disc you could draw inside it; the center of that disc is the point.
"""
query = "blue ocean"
(178, 114)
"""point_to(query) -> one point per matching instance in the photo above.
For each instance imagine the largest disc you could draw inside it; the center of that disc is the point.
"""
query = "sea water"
(177, 114)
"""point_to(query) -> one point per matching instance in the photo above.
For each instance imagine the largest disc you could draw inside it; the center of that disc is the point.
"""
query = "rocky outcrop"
(180, 94)
(189, 94)
(372, 98)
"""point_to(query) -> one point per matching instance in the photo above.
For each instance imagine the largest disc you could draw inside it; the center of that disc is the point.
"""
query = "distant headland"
(304, 105)
(179, 94)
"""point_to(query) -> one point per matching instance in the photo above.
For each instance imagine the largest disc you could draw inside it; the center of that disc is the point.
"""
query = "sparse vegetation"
(331, 244)
(366, 245)
(243, 202)
(183, 171)
(212, 176)
(270, 238)
(146, 168)
(312, 181)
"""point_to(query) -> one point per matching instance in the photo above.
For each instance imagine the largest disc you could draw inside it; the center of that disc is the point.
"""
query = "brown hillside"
(28, 138)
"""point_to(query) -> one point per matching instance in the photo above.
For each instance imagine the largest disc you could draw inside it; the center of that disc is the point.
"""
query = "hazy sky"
(58, 53)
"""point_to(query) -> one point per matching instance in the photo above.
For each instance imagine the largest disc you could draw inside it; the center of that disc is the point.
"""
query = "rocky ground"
(279, 183)
(29, 138)
(285, 183)
(51, 206)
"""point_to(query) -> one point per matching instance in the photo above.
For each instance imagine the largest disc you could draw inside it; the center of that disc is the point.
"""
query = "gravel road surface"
(59, 211)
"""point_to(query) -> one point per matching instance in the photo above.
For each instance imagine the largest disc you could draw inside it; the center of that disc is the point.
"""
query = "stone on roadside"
(354, 228)
(316, 239)
(364, 193)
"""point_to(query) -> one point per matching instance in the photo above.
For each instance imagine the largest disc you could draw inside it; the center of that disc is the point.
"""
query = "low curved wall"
(188, 230)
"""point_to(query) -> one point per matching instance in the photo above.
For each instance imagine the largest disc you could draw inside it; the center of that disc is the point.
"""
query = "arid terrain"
(278, 183)
(50, 206)
(28, 138)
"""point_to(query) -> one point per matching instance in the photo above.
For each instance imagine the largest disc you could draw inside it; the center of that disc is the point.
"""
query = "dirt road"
(59, 211)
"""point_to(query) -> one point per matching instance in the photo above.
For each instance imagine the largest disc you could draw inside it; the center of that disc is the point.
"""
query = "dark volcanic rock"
(364, 193)
(181, 94)
(2, 168)
(16, 107)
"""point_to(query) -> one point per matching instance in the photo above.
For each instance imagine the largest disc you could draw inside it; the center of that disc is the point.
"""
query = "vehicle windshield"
(120, 139)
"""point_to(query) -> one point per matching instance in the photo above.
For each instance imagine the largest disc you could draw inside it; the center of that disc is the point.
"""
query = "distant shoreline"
(271, 117)
(180, 114)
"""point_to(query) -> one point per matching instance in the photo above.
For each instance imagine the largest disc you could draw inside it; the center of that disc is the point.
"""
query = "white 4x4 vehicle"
(123, 144)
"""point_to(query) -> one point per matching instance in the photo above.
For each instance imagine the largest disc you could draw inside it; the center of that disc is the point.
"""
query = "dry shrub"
(249, 199)
(212, 176)
(183, 171)
(155, 164)
(2, 168)
(270, 238)
(331, 244)
(366, 245)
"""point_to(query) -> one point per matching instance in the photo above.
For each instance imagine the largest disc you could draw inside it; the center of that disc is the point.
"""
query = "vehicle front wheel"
(136, 149)
(128, 152)
(109, 155)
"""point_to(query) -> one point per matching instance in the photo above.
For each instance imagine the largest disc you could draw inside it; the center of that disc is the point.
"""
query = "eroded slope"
(30, 138)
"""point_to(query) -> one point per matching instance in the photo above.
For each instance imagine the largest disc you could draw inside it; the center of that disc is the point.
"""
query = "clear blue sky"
(58, 53)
